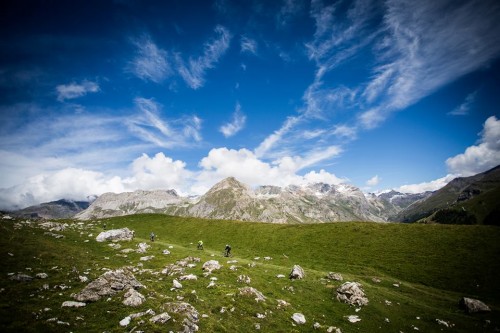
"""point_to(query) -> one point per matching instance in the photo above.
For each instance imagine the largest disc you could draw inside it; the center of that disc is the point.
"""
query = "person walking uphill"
(152, 236)
(200, 245)
(227, 250)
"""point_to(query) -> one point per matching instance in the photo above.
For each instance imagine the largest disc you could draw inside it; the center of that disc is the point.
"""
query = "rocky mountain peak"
(228, 183)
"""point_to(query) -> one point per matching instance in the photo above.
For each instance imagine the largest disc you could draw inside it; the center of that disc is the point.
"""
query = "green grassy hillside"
(434, 265)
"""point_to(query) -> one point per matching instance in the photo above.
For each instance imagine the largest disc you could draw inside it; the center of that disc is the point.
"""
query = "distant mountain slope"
(127, 203)
(60, 209)
(479, 195)
(232, 200)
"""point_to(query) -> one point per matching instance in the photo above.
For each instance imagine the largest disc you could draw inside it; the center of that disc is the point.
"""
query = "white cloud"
(480, 157)
(194, 71)
(151, 62)
(464, 108)
(248, 45)
(75, 90)
(245, 166)
(427, 186)
(149, 126)
(427, 45)
(345, 131)
(272, 139)
(373, 181)
(237, 123)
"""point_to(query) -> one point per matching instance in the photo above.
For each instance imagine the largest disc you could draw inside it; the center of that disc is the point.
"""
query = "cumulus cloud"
(245, 166)
(151, 62)
(373, 181)
(75, 90)
(481, 157)
(193, 72)
(433, 185)
(237, 123)
(464, 108)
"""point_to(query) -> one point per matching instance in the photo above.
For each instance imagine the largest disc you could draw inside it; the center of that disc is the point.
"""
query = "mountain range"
(233, 200)
(465, 200)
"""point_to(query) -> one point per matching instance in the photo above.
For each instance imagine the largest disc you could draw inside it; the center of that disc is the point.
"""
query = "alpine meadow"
(249, 166)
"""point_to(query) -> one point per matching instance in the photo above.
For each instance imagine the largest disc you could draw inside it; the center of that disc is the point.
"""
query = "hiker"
(200, 245)
(227, 250)
(152, 236)
(104, 226)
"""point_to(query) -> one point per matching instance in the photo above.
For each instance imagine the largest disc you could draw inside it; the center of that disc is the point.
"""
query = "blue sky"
(99, 96)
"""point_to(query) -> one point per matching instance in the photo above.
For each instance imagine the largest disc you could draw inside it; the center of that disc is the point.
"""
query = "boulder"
(211, 265)
(142, 247)
(123, 234)
(252, 292)
(73, 304)
(297, 272)
(471, 305)
(334, 276)
(21, 277)
(162, 318)
(186, 310)
(299, 318)
(352, 293)
(188, 277)
(133, 298)
(176, 284)
(108, 284)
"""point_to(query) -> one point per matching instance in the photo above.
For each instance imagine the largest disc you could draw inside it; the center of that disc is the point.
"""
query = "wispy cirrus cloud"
(237, 123)
(464, 108)
(150, 127)
(151, 62)
(288, 11)
(194, 70)
(75, 90)
(428, 45)
(248, 45)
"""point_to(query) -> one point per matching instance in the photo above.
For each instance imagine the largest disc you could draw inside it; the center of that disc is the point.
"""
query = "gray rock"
(21, 277)
(176, 284)
(162, 318)
(108, 284)
(334, 276)
(471, 305)
(172, 269)
(352, 293)
(188, 277)
(299, 318)
(133, 298)
(53, 226)
(123, 234)
(73, 304)
(186, 310)
(297, 272)
(142, 247)
(42, 275)
(252, 292)
(211, 265)
(125, 321)
(244, 279)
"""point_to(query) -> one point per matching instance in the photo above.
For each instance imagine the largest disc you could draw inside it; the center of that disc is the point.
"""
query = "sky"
(114, 96)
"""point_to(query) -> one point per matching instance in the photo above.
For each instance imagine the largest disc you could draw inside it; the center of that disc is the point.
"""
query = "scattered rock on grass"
(353, 319)
(352, 294)
(133, 298)
(108, 284)
(250, 291)
(73, 304)
(21, 277)
(211, 265)
(471, 305)
(162, 318)
(123, 234)
(299, 318)
(297, 272)
(334, 276)
(244, 279)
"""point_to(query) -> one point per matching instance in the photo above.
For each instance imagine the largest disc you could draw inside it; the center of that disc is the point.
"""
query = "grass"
(434, 265)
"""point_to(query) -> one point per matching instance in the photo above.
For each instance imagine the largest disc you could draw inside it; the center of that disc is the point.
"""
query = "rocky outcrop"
(188, 312)
(252, 292)
(211, 265)
(297, 273)
(124, 234)
(108, 284)
(471, 305)
(133, 298)
(352, 293)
